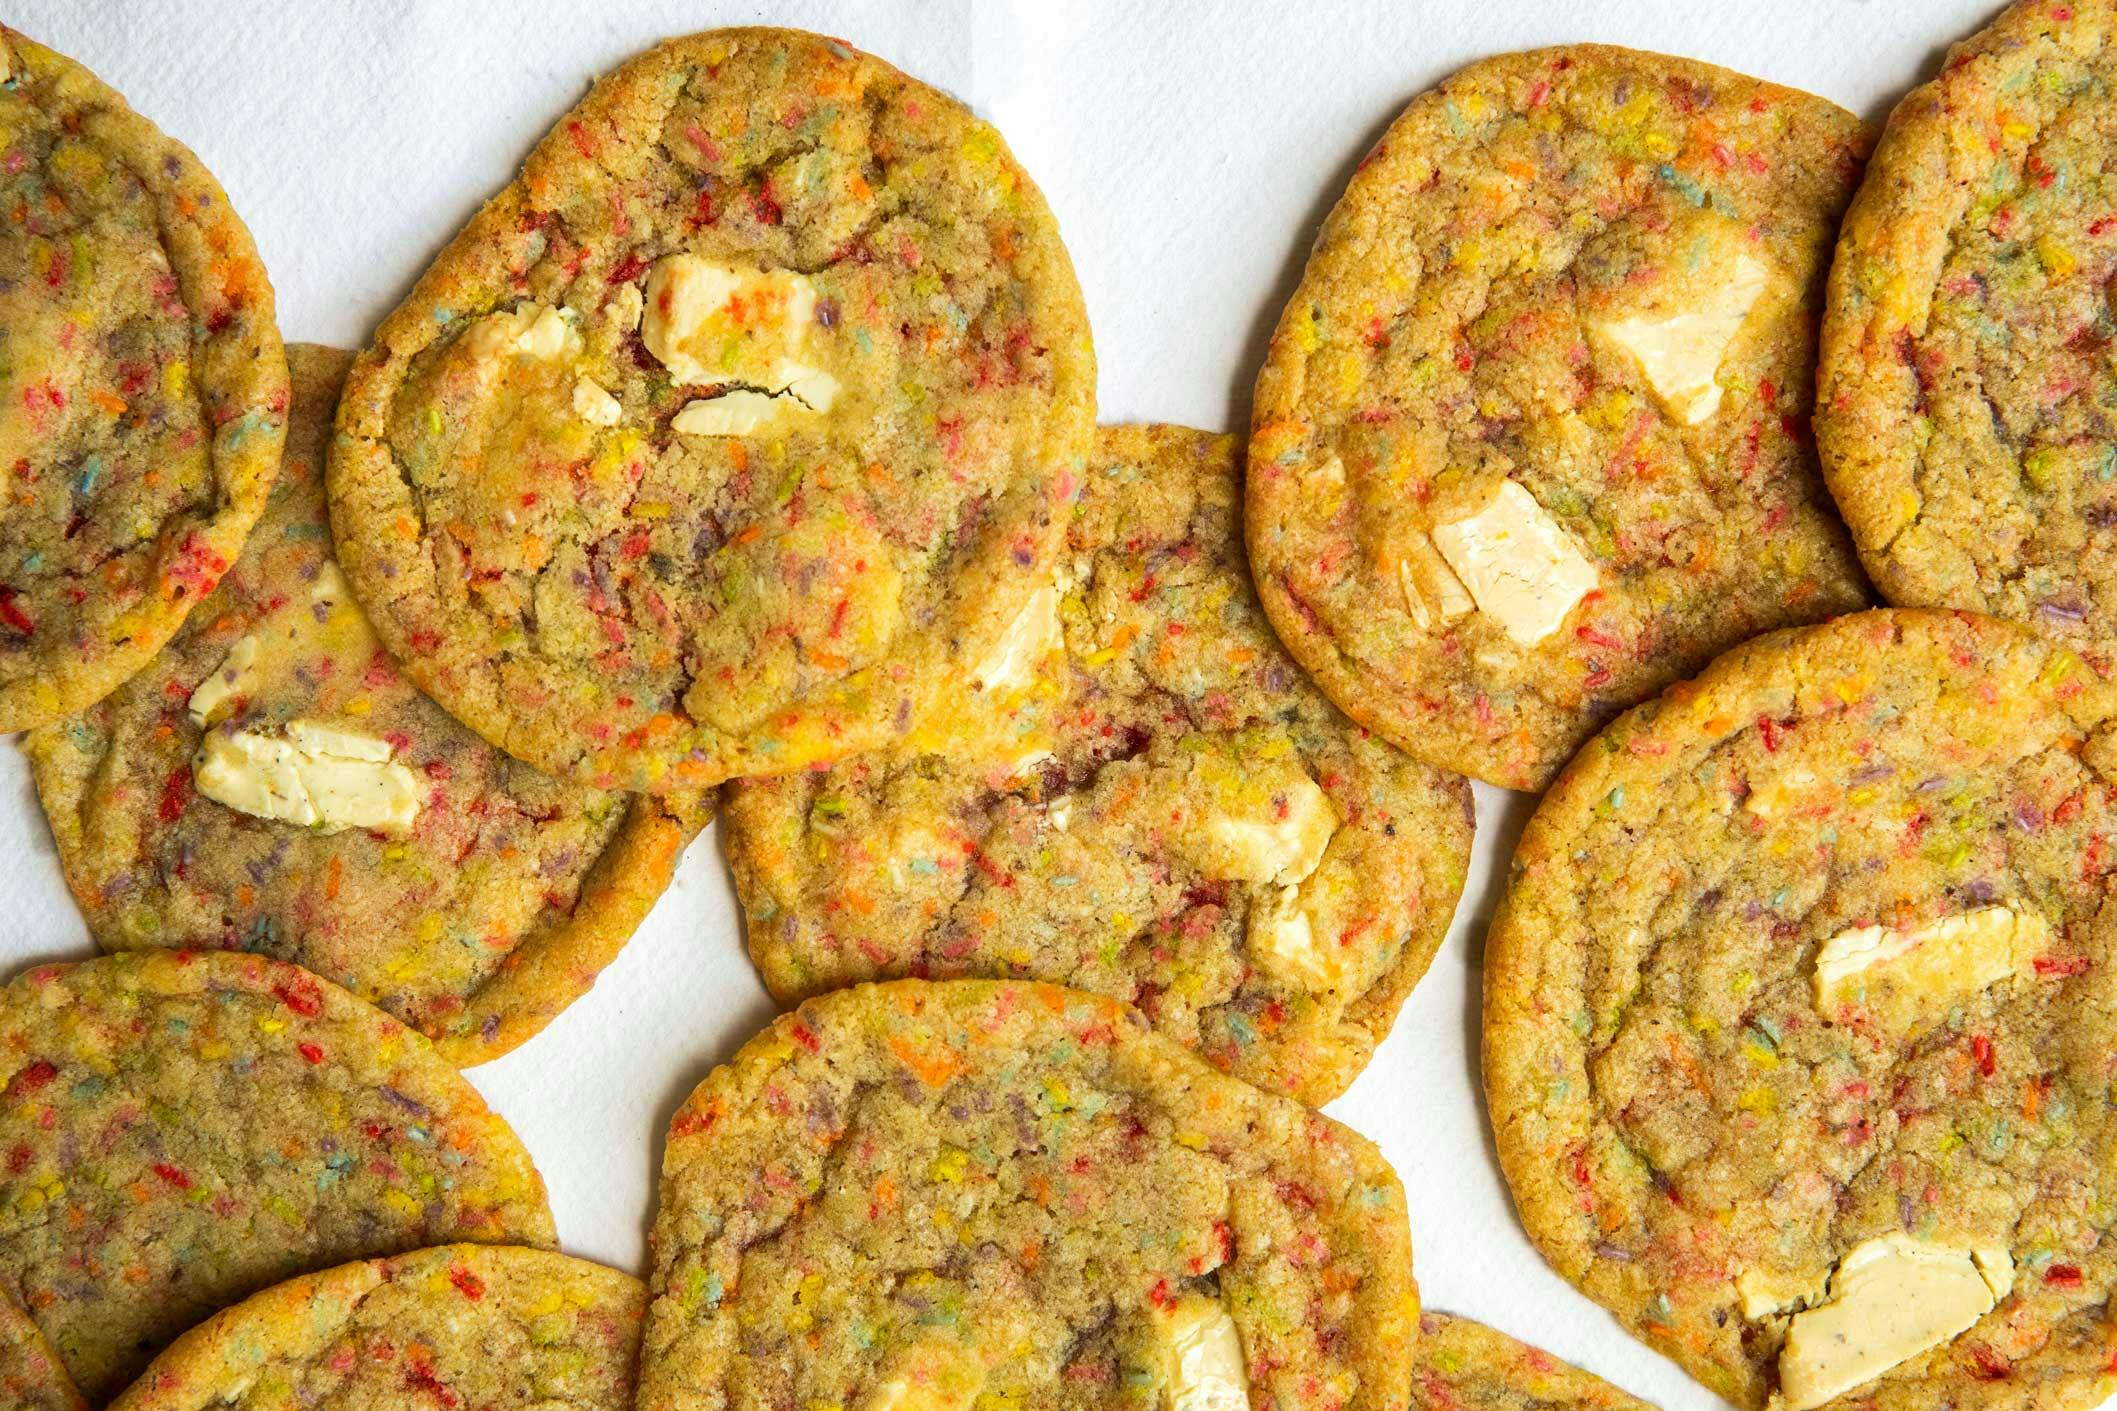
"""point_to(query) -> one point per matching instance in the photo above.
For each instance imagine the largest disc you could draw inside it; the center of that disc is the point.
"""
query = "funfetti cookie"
(31, 1377)
(941, 1194)
(143, 394)
(744, 421)
(466, 1326)
(1466, 1366)
(1531, 441)
(271, 782)
(1158, 806)
(1799, 1011)
(1966, 389)
(183, 1129)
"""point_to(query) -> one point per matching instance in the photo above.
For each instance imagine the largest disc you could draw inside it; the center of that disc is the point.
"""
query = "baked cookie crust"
(1797, 1019)
(1531, 440)
(143, 392)
(1156, 806)
(476, 921)
(722, 437)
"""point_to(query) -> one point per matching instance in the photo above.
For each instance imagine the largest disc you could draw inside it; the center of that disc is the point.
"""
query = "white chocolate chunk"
(592, 404)
(1764, 1294)
(811, 386)
(1433, 595)
(1275, 829)
(1059, 812)
(929, 1376)
(1198, 1356)
(1679, 354)
(330, 587)
(1899, 975)
(1033, 635)
(234, 677)
(738, 413)
(316, 776)
(1519, 565)
(531, 331)
(626, 305)
(709, 322)
(1282, 940)
(1773, 796)
(1890, 1300)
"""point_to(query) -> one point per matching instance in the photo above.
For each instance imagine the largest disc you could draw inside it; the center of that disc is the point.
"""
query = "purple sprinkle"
(411, 1105)
(2028, 815)
(1873, 772)
(827, 312)
(1611, 1251)
(2064, 612)
(1980, 891)
(1907, 1211)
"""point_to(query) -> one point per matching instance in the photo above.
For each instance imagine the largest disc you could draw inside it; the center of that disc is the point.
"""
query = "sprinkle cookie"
(272, 783)
(1466, 1366)
(1966, 389)
(940, 1194)
(1531, 441)
(143, 393)
(1165, 810)
(1798, 1019)
(31, 1378)
(731, 431)
(183, 1129)
(467, 1326)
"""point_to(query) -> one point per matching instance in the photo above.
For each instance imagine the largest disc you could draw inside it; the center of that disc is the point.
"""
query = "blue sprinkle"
(91, 471)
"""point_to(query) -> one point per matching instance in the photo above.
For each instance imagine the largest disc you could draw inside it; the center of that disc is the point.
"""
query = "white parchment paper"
(1190, 151)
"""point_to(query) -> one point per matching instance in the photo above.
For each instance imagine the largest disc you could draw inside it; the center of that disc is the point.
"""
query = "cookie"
(183, 1129)
(1531, 440)
(731, 431)
(462, 1326)
(1964, 386)
(1167, 812)
(30, 1375)
(1466, 1366)
(938, 1193)
(143, 394)
(1798, 1018)
(463, 891)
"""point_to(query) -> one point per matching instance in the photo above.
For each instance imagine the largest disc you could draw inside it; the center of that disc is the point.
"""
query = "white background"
(1190, 152)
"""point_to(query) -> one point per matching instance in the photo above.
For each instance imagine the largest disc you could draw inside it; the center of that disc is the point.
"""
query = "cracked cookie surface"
(1466, 1366)
(720, 439)
(143, 393)
(947, 1193)
(1799, 1014)
(1531, 440)
(1964, 409)
(465, 1326)
(183, 1129)
(1146, 799)
(475, 921)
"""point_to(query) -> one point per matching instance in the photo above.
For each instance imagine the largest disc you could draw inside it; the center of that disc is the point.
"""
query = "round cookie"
(935, 1193)
(1531, 440)
(1466, 1366)
(1798, 1019)
(30, 1375)
(1168, 812)
(1964, 397)
(183, 1129)
(726, 435)
(467, 1326)
(143, 393)
(463, 891)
